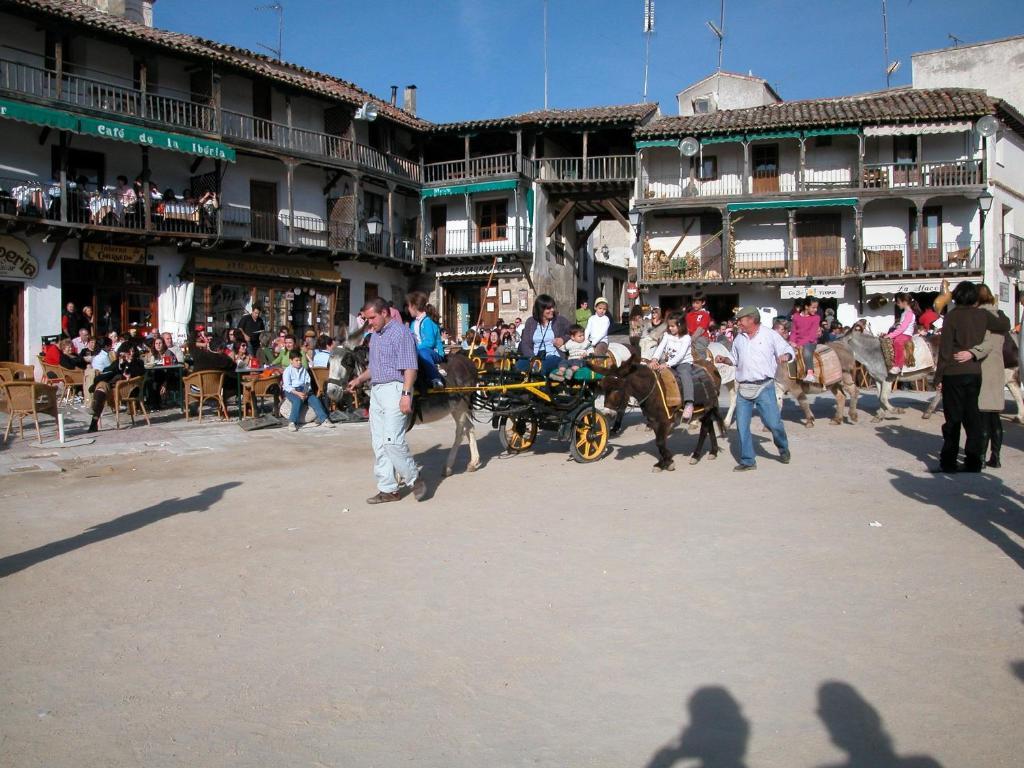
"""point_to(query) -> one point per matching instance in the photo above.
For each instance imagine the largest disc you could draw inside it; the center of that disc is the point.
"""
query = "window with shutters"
(492, 220)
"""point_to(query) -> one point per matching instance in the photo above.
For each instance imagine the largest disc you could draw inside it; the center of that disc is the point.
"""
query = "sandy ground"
(244, 607)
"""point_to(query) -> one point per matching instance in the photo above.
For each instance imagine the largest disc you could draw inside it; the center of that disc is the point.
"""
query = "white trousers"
(393, 460)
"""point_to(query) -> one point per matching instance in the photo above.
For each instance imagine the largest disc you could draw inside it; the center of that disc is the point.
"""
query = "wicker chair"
(255, 388)
(6, 375)
(128, 392)
(74, 379)
(210, 385)
(27, 398)
(320, 376)
(19, 370)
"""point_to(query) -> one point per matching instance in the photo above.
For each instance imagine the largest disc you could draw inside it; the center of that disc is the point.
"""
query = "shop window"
(492, 220)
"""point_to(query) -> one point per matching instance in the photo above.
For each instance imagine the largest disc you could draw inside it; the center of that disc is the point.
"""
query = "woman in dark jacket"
(958, 377)
(543, 336)
(128, 365)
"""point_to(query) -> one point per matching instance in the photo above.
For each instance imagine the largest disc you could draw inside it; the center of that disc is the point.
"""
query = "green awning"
(774, 135)
(30, 113)
(832, 132)
(529, 204)
(770, 204)
(109, 129)
(462, 189)
(658, 143)
(720, 139)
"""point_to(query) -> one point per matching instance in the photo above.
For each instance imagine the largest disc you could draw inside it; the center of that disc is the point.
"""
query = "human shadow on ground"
(979, 501)
(716, 735)
(119, 525)
(856, 727)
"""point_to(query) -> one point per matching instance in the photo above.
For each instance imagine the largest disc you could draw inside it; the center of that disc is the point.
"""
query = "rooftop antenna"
(890, 67)
(718, 30)
(648, 33)
(279, 9)
(545, 54)
(956, 40)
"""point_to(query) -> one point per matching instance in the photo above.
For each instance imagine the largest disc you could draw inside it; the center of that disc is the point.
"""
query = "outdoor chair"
(19, 370)
(74, 380)
(209, 386)
(52, 374)
(6, 375)
(27, 398)
(128, 392)
(255, 389)
(320, 375)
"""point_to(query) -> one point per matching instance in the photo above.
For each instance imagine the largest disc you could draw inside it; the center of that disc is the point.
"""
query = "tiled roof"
(629, 114)
(905, 105)
(291, 74)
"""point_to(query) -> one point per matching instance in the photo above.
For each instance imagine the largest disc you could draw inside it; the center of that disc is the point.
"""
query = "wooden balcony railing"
(462, 242)
(578, 169)
(897, 257)
(505, 164)
(946, 173)
(1013, 252)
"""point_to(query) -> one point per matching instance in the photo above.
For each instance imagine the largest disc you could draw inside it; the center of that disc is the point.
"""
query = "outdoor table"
(178, 368)
(181, 212)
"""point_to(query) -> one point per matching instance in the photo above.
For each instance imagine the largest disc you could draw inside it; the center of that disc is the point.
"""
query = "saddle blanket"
(918, 355)
(703, 387)
(827, 367)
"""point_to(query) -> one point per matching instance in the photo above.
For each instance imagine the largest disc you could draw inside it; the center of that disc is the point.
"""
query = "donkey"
(845, 388)
(634, 380)
(867, 350)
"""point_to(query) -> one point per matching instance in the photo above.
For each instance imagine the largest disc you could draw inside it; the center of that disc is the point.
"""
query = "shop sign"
(933, 285)
(113, 254)
(267, 269)
(817, 291)
(15, 259)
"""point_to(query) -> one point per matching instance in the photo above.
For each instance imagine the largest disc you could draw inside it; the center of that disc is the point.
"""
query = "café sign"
(15, 260)
(113, 254)
(817, 291)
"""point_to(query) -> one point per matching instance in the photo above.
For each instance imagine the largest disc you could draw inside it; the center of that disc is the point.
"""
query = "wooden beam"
(195, 164)
(686, 231)
(560, 217)
(44, 135)
(582, 238)
(616, 213)
(54, 253)
(333, 182)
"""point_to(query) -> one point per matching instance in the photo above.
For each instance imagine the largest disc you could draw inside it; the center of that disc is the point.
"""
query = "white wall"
(732, 93)
(997, 67)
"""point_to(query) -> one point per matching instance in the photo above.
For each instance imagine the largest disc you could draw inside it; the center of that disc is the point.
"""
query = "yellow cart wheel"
(517, 434)
(589, 438)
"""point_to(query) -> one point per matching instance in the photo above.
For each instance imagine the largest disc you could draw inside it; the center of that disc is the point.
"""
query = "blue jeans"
(548, 364)
(428, 364)
(312, 401)
(768, 408)
(808, 352)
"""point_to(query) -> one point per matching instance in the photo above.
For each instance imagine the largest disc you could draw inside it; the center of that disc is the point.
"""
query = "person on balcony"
(904, 330)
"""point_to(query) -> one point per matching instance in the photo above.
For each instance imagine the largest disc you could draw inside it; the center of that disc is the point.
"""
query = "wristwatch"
(406, 393)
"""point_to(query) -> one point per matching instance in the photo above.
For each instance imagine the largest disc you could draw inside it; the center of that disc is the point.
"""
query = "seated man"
(125, 366)
(296, 385)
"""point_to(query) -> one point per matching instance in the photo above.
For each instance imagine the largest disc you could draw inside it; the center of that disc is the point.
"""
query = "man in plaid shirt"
(392, 373)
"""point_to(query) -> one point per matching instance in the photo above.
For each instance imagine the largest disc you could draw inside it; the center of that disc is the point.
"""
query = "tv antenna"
(279, 10)
(648, 33)
(956, 40)
(718, 30)
(890, 67)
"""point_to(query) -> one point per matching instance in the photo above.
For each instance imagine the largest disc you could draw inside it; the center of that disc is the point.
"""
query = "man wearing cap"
(596, 332)
(758, 352)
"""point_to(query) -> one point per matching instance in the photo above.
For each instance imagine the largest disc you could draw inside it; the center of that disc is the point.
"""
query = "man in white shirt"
(758, 352)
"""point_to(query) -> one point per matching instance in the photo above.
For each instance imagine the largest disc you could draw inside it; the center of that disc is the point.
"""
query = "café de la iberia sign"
(15, 259)
(817, 291)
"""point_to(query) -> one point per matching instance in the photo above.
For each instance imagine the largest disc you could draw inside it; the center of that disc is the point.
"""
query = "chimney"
(409, 99)
(139, 11)
(394, 95)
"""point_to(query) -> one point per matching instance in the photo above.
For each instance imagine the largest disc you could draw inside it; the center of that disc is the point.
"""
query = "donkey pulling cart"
(522, 404)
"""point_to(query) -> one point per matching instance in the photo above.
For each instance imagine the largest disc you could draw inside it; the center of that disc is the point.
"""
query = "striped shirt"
(392, 351)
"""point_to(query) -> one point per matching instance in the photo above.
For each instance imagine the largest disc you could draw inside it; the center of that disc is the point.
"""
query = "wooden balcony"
(475, 168)
(617, 168)
(946, 173)
(461, 242)
(944, 257)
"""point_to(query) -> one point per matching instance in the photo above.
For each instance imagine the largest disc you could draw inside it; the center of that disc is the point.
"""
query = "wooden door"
(10, 321)
(438, 228)
(489, 305)
(263, 209)
(262, 110)
(765, 160)
(817, 243)
(926, 246)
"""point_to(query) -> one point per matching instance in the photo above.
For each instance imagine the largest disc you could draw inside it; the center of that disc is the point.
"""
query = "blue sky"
(484, 58)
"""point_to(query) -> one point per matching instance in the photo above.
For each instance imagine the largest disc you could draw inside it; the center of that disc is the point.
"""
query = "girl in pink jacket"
(904, 330)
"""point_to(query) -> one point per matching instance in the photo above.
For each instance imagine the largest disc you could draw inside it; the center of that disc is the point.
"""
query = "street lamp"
(374, 225)
(984, 206)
